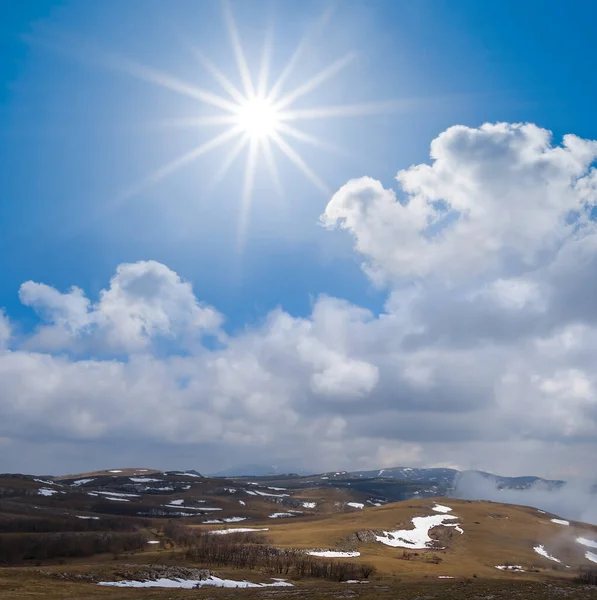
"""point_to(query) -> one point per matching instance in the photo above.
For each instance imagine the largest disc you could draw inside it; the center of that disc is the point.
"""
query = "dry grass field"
(458, 566)
(494, 534)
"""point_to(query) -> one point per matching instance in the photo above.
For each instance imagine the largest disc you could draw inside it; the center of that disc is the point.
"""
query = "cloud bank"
(483, 356)
(575, 500)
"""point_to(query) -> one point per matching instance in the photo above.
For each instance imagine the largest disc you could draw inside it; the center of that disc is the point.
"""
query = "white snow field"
(257, 492)
(47, 492)
(586, 542)
(418, 537)
(238, 530)
(193, 583)
(560, 521)
(333, 554)
(543, 552)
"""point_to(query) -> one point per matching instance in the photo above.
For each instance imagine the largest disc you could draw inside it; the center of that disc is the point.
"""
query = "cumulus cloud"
(144, 300)
(485, 348)
(494, 199)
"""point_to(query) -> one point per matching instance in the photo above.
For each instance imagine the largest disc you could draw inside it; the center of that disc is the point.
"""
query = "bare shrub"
(588, 576)
(251, 551)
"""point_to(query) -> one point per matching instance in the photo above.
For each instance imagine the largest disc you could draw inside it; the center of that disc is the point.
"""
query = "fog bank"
(574, 500)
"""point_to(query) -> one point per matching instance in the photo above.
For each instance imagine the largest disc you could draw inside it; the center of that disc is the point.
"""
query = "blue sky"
(76, 131)
(74, 135)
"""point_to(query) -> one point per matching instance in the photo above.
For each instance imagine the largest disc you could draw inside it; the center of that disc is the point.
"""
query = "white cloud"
(145, 300)
(494, 199)
(5, 329)
(490, 351)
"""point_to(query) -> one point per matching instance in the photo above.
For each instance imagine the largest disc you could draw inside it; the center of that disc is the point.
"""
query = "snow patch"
(441, 509)
(333, 554)
(45, 481)
(309, 504)
(516, 568)
(237, 530)
(82, 481)
(193, 583)
(591, 556)
(86, 517)
(281, 514)
(47, 492)
(586, 542)
(270, 495)
(144, 479)
(417, 538)
(355, 504)
(543, 552)
(560, 521)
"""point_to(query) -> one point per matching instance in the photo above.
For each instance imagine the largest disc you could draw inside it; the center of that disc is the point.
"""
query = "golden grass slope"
(494, 534)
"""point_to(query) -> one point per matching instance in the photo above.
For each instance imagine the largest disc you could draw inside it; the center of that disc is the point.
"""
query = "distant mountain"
(432, 481)
(448, 477)
(437, 476)
(258, 471)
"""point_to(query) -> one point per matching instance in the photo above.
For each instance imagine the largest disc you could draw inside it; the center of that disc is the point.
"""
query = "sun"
(258, 118)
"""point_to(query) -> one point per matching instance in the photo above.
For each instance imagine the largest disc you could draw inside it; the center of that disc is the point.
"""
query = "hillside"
(476, 537)
(65, 535)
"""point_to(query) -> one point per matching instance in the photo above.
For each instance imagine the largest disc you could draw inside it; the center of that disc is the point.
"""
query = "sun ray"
(264, 68)
(225, 166)
(315, 81)
(239, 54)
(245, 206)
(298, 52)
(173, 166)
(87, 50)
(224, 82)
(151, 75)
(300, 163)
(188, 122)
(271, 165)
(347, 110)
(297, 134)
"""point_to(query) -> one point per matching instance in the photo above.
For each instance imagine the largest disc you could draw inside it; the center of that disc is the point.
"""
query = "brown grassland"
(494, 534)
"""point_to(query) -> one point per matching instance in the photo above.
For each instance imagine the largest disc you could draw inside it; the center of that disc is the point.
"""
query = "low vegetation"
(17, 548)
(588, 576)
(250, 551)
